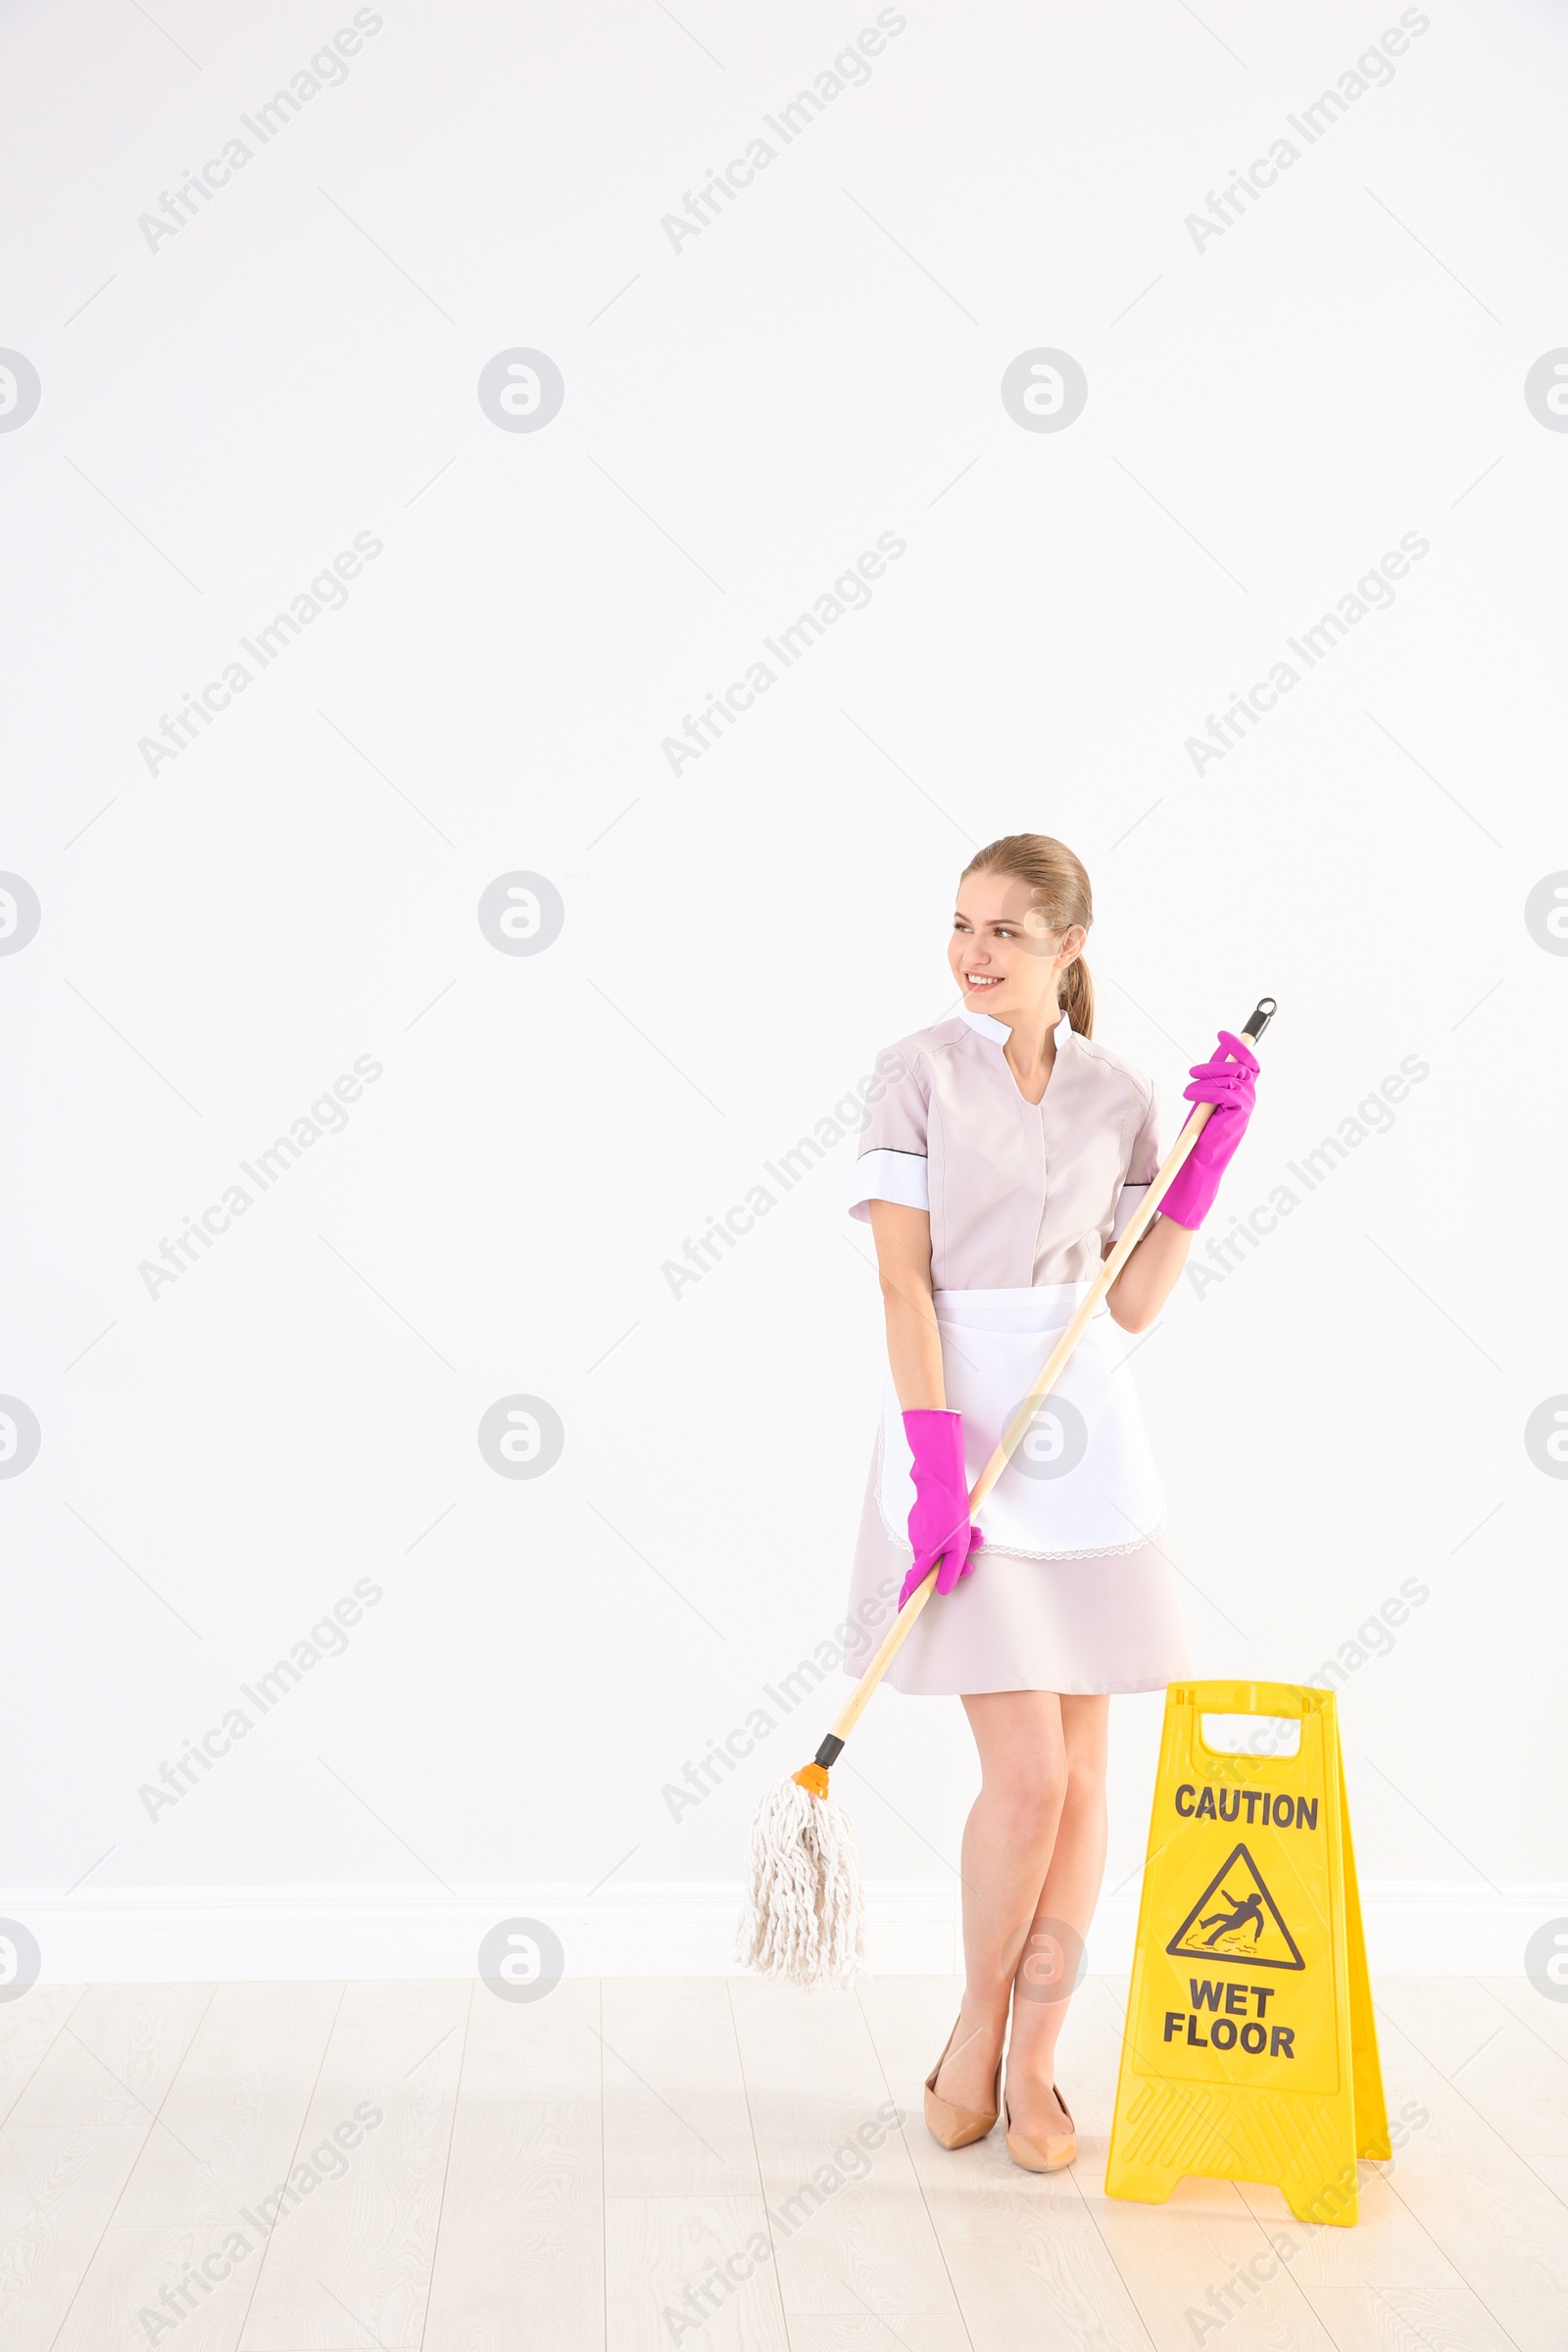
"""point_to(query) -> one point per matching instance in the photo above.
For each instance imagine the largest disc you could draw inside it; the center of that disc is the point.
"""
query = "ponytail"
(1077, 994)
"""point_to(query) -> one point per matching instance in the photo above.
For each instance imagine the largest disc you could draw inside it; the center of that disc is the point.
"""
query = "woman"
(996, 1172)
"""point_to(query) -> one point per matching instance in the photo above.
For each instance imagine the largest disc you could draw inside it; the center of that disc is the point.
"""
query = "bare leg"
(1045, 1977)
(1008, 1844)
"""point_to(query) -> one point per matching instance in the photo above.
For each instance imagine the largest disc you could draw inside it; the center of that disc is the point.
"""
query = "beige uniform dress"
(1071, 1591)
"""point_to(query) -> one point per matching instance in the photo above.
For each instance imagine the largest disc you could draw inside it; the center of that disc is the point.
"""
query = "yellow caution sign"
(1250, 2051)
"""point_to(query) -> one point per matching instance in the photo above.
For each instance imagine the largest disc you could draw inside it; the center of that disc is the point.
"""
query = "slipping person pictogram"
(1236, 1918)
(1246, 1913)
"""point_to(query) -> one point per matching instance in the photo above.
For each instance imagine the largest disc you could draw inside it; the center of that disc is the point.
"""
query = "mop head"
(805, 1915)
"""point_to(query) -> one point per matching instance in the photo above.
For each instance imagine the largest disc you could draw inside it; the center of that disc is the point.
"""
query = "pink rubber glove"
(1229, 1087)
(939, 1523)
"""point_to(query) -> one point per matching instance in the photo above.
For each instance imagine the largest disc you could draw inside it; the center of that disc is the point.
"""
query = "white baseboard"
(663, 1929)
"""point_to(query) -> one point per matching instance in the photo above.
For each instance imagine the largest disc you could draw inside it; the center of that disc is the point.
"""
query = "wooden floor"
(472, 2174)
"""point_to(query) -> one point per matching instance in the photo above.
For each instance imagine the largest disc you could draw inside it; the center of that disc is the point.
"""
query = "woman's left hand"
(941, 1535)
(1229, 1083)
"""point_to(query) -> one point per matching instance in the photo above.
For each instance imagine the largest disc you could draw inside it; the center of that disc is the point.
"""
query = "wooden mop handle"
(1137, 1226)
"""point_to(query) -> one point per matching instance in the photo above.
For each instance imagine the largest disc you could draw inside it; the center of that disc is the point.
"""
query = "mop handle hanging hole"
(1259, 1019)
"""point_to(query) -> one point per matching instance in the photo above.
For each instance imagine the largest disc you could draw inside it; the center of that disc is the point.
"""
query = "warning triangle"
(1237, 1918)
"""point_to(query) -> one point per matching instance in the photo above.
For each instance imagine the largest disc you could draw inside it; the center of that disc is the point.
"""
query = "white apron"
(1082, 1478)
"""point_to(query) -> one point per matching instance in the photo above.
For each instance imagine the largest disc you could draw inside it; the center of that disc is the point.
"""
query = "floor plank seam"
(1468, 2282)
(1132, 2304)
(446, 2169)
(1513, 2017)
(305, 2111)
(756, 2160)
(914, 2175)
(604, 2167)
(154, 2115)
(43, 2054)
(1485, 2122)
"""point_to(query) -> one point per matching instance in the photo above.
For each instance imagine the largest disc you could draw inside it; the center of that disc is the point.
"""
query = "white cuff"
(899, 1176)
(1128, 1200)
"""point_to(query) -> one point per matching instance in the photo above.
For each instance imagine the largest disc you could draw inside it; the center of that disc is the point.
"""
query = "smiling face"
(1004, 955)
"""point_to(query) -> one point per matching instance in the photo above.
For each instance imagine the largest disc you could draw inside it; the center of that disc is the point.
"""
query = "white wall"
(222, 937)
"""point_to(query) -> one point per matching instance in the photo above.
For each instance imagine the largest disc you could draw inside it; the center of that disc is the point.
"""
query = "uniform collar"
(998, 1033)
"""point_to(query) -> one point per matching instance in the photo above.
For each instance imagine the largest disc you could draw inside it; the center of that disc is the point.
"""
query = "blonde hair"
(1059, 889)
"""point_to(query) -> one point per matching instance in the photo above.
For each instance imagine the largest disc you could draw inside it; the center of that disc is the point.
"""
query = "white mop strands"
(805, 1915)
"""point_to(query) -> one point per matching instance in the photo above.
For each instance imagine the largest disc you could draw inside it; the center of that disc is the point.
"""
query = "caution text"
(1272, 1805)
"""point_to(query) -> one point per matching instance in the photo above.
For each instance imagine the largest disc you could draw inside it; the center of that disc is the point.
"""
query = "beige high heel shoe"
(957, 2127)
(1045, 2152)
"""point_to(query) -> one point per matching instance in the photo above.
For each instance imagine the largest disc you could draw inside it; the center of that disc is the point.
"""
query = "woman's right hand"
(939, 1523)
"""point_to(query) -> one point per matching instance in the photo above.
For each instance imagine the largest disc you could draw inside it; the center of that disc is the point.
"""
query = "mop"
(804, 1913)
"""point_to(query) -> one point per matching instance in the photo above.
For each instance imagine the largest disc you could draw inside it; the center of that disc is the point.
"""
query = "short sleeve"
(892, 1162)
(1142, 1165)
